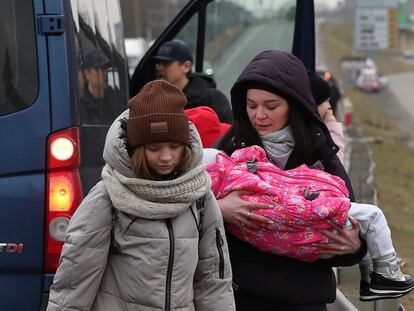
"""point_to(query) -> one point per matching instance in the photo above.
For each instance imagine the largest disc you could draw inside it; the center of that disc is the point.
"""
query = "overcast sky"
(328, 3)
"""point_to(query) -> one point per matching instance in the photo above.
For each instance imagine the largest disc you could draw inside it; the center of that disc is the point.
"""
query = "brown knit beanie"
(156, 115)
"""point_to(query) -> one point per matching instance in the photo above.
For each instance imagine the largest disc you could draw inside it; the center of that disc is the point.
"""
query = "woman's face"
(267, 112)
(163, 158)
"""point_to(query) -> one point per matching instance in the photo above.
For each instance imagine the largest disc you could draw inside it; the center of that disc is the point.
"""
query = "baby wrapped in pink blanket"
(303, 199)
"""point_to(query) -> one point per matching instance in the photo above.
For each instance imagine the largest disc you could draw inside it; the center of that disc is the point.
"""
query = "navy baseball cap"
(96, 59)
(174, 50)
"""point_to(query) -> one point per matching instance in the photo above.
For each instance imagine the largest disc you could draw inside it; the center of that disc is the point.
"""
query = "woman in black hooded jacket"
(274, 88)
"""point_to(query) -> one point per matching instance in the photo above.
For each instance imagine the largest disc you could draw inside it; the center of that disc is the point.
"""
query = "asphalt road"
(397, 102)
(257, 38)
(401, 85)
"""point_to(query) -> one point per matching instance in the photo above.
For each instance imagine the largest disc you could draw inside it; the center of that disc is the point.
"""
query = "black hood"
(279, 71)
(201, 80)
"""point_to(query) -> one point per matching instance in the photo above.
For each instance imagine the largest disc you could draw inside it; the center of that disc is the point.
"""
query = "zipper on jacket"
(220, 243)
(195, 218)
(170, 266)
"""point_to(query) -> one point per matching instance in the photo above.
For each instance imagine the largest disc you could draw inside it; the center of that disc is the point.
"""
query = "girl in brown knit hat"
(150, 234)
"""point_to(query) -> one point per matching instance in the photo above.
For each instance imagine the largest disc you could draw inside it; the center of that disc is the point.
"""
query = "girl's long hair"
(142, 170)
(243, 134)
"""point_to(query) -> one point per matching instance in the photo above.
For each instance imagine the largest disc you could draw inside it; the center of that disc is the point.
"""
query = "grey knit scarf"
(151, 199)
(279, 146)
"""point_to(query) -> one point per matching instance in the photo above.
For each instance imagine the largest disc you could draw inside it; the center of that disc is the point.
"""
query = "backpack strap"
(113, 247)
(200, 210)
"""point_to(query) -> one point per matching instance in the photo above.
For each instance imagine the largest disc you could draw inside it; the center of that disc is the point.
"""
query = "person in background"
(321, 93)
(174, 63)
(335, 95)
(274, 109)
(99, 101)
(150, 235)
(208, 124)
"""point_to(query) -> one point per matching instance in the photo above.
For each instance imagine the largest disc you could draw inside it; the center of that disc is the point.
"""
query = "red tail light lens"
(64, 191)
(63, 149)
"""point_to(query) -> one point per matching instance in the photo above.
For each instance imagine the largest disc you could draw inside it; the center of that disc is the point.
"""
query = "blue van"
(64, 78)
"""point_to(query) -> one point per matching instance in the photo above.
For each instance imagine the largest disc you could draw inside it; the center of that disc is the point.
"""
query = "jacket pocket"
(219, 244)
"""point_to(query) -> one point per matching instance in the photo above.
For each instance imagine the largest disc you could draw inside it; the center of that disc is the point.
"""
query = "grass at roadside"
(338, 43)
(394, 171)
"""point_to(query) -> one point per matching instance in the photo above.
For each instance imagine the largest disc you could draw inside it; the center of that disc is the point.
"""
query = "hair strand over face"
(142, 170)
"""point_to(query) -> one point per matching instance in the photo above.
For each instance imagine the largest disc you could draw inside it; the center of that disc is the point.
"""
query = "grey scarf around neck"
(152, 199)
(279, 146)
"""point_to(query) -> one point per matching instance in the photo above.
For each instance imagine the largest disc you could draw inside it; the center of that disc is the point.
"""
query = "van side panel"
(62, 70)
(22, 187)
(21, 248)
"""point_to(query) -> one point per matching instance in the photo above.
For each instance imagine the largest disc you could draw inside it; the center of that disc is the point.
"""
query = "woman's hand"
(343, 242)
(325, 111)
(238, 212)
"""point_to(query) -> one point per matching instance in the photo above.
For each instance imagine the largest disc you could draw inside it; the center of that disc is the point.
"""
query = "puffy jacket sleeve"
(337, 134)
(84, 254)
(213, 278)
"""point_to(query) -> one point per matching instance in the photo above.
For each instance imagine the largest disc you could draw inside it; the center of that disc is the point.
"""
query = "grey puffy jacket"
(147, 265)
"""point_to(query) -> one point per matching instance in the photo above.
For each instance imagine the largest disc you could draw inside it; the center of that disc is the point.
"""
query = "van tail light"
(64, 192)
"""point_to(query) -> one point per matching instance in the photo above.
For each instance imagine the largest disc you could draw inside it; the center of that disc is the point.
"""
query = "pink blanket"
(302, 199)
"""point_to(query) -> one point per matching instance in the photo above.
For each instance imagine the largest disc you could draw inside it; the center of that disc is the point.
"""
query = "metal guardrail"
(341, 304)
(360, 167)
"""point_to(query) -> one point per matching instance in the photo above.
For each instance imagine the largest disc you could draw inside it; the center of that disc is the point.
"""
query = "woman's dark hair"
(243, 134)
(299, 119)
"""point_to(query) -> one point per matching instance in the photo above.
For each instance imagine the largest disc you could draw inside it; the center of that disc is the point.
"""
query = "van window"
(18, 58)
(237, 31)
(188, 33)
(144, 21)
(100, 60)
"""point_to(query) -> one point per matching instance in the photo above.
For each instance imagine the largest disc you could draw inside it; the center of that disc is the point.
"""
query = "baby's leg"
(374, 229)
(387, 278)
(365, 268)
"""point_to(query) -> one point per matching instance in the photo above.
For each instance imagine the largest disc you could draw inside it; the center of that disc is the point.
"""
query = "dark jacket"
(264, 277)
(201, 91)
(101, 110)
(285, 74)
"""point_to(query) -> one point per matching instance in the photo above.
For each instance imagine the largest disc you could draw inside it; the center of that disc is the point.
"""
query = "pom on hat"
(156, 114)
(320, 88)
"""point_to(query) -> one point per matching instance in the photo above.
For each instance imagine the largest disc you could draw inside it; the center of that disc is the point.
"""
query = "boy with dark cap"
(174, 62)
(100, 103)
(95, 68)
